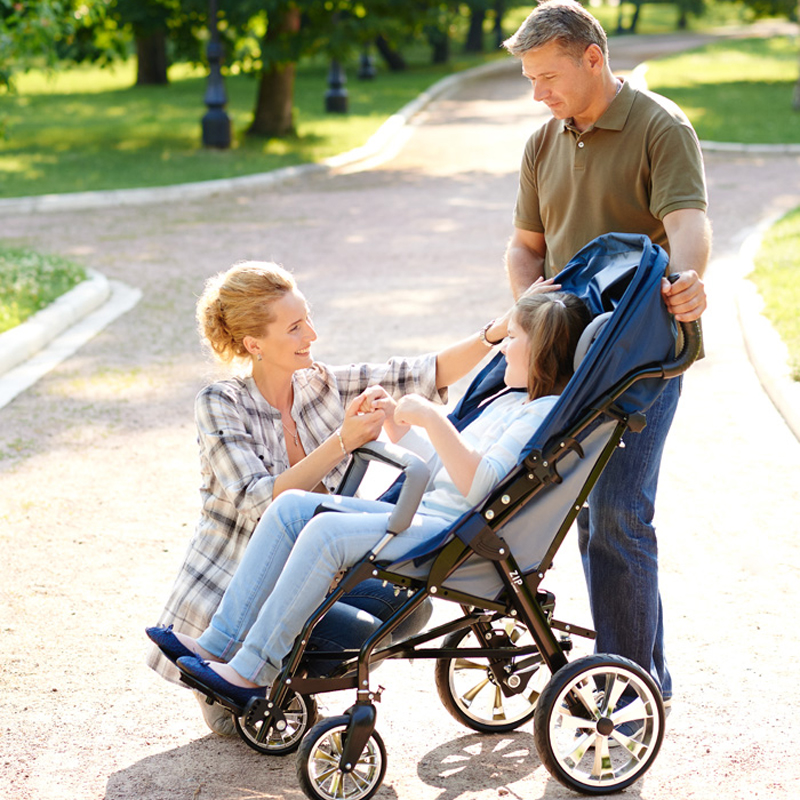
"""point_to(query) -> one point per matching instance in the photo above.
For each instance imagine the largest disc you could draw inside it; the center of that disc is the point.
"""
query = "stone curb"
(25, 340)
(767, 352)
(101, 302)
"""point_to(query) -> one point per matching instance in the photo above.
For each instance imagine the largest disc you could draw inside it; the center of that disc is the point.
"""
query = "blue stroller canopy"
(620, 273)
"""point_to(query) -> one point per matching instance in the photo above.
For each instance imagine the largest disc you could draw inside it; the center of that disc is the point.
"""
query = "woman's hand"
(541, 285)
(499, 328)
(376, 398)
(360, 427)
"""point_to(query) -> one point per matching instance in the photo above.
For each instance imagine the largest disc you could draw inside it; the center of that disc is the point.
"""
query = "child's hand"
(413, 409)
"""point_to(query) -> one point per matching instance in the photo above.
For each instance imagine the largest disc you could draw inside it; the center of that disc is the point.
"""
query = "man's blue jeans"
(618, 546)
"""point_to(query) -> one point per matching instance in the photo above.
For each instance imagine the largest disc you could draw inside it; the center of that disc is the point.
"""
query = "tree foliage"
(40, 33)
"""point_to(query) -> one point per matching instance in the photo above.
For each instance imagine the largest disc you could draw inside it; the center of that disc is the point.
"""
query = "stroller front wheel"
(318, 763)
(599, 724)
(299, 712)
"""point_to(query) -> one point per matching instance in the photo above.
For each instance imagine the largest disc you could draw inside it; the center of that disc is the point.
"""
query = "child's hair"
(238, 303)
(553, 322)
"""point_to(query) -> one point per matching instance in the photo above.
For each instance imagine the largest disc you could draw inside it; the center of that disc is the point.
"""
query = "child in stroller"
(270, 601)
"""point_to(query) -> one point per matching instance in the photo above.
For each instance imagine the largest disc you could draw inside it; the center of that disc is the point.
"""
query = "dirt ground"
(98, 485)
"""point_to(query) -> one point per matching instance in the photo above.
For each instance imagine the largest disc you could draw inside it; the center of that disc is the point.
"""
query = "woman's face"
(517, 349)
(286, 344)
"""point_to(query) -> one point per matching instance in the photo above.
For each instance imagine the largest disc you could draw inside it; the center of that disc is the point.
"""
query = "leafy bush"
(29, 281)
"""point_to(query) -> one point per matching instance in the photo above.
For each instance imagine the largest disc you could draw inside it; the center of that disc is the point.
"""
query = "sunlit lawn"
(734, 91)
(777, 276)
(88, 129)
(29, 281)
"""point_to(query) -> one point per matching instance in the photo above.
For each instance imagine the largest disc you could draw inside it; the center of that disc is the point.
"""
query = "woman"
(290, 424)
(294, 555)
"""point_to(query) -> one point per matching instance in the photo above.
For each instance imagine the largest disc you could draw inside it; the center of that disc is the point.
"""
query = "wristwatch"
(482, 335)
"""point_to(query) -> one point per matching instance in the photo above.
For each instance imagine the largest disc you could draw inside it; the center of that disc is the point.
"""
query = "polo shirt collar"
(615, 115)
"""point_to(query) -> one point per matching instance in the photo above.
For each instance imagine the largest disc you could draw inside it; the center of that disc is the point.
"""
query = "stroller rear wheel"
(318, 763)
(599, 724)
(469, 689)
(299, 712)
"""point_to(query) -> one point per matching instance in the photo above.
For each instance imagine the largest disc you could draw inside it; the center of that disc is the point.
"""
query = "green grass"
(777, 276)
(102, 133)
(30, 281)
(734, 91)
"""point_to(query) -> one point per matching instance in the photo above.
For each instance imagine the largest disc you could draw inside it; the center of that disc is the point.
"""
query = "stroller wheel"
(318, 763)
(469, 690)
(599, 724)
(300, 713)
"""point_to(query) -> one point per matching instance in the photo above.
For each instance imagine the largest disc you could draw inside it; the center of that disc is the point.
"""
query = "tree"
(40, 33)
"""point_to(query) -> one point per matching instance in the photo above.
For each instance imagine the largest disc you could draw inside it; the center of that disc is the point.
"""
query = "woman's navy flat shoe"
(204, 678)
(168, 643)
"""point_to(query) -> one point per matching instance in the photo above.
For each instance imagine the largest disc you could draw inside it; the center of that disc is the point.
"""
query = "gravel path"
(98, 480)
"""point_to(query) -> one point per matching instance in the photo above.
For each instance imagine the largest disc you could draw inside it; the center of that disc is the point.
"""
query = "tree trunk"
(393, 59)
(440, 44)
(635, 18)
(151, 59)
(474, 43)
(274, 112)
(499, 12)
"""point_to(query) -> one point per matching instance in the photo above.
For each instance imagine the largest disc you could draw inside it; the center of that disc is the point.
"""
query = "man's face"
(570, 88)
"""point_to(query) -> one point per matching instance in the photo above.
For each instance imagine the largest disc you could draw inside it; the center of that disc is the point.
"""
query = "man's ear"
(593, 57)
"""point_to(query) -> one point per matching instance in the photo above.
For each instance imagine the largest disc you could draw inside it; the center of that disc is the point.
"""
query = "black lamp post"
(336, 96)
(366, 67)
(216, 123)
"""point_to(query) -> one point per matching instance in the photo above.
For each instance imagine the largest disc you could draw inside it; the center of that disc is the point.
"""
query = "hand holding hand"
(361, 427)
(373, 399)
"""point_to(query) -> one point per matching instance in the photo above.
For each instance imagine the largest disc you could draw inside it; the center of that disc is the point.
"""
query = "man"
(612, 159)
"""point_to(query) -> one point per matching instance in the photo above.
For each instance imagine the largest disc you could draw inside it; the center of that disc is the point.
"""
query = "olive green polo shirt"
(637, 163)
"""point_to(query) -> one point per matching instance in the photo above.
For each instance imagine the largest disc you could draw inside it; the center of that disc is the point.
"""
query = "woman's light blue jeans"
(287, 569)
(618, 546)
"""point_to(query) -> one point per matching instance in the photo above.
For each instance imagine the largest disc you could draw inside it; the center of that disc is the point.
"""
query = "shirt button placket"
(580, 155)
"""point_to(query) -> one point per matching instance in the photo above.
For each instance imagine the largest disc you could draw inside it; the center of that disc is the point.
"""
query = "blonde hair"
(238, 303)
(553, 322)
(564, 21)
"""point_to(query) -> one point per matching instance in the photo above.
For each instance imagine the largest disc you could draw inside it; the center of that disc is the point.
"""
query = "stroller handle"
(692, 345)
(416, 478)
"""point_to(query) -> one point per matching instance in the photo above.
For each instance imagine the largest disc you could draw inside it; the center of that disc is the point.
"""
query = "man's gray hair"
(564, 21)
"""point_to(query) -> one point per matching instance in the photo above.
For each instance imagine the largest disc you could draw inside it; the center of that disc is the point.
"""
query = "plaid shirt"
(242, 450)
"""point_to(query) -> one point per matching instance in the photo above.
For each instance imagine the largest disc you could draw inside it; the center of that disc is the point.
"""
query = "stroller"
(505, 647)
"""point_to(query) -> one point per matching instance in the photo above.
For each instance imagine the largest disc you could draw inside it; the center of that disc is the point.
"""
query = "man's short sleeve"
(677, 177)
(526, 211)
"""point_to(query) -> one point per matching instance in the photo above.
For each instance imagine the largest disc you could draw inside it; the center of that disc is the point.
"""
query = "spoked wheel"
(300, 713)
(599, 724)
(318, 764)
(469, 689)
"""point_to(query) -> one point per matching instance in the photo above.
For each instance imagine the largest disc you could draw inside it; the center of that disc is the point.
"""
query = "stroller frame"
(344, 756)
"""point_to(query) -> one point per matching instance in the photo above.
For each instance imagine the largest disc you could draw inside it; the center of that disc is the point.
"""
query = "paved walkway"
(98, 483)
